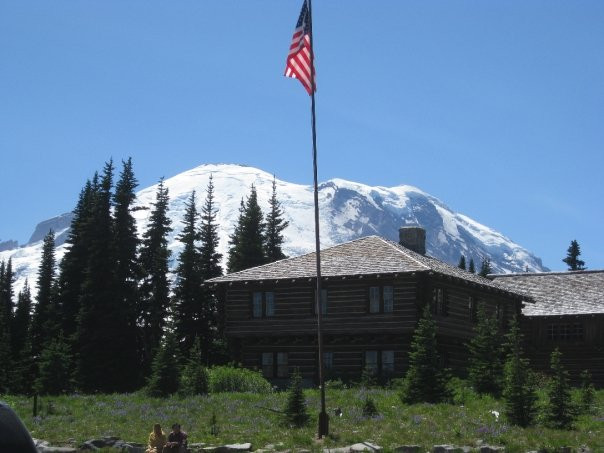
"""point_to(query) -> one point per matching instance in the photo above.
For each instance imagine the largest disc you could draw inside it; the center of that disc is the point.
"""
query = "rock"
(129, 447)
(93, 444)
(232, 448)
(407, 449)
(446, 449)
(57, 450)
(491, 449)
(337, 450)
(584, 449)
(365, 446)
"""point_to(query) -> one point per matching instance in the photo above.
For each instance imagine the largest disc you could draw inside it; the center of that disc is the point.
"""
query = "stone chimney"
(414, 238)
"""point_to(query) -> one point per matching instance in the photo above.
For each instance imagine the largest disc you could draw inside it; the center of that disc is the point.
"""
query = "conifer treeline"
(102, 314)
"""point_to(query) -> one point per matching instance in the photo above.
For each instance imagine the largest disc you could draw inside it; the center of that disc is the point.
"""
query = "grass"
(251, 418)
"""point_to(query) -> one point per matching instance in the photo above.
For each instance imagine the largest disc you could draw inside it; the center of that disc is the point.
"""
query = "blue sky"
(494, 107)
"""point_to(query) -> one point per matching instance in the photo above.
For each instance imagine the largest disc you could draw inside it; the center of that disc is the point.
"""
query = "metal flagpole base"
(323, 424)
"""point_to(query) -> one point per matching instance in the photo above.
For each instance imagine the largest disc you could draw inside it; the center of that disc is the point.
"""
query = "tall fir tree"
(559, 409)
(165, 369)
(154, 288)
(519, 386)
(211, 335)
(187, 300)
(275, 224)
(247, 248)
(73, 265)
(210, 258)
(5, 338)
(485, 267)
(234, 255)
(194, 377)
(55, 368)
(23, 366)
(485, 362)
(426, 380)
(7, 279)
(462, 262)
(100, 324)
(126, 275)
(471, 266)
(46, 319)
(572, 257)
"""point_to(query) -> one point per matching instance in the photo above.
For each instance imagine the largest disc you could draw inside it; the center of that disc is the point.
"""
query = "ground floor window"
(379, 362)
(275, 364)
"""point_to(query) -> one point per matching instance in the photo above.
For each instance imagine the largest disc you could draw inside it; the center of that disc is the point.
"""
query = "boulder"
(407, 449)
(446, 449)
(491, 449)
(337, 450)
(365, 446)
(57, 450)
(232, 448)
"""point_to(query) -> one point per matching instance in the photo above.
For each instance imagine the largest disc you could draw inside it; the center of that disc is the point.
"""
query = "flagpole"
(323, 417)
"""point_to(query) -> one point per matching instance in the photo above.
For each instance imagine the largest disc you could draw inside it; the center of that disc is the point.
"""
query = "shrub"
(295, 409)
(519, 382)
(165, 370)
(231, 379)
(559, 412)
(194, 377)
(587, 393)
(425, 381)
(369, 408)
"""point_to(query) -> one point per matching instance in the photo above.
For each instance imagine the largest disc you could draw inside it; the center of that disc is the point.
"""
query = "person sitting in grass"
(157, 440)
(177, 441)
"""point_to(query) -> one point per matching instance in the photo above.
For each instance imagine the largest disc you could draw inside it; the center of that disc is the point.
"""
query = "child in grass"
(157, 440)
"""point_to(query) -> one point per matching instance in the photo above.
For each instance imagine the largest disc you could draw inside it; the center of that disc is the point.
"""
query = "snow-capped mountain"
(348, 210)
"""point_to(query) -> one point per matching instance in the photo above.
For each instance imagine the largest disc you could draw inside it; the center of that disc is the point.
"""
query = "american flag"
(299, 63)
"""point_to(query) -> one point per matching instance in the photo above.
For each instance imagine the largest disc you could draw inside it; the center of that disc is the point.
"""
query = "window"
(274, 364)
(323, 302)
(381, 299)
(263, 304)
(472, 308)
(328, 361)
(387, 361)
(379, 362)
(282, 369)
(371, 361)
(439, 302)
(565, 332)
(267, 364)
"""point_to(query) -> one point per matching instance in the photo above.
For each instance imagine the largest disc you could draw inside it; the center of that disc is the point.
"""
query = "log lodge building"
(373, 293)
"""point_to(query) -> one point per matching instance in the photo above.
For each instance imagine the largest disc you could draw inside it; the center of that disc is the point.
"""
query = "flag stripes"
(299, 62)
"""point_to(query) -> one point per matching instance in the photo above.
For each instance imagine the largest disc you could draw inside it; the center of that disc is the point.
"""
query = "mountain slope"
(348, 210)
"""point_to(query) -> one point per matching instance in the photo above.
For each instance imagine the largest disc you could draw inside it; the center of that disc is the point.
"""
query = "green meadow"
(255, 418)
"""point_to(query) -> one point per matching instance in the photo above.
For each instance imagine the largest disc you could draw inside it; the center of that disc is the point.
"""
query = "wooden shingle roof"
(559, 293)
(370, 255)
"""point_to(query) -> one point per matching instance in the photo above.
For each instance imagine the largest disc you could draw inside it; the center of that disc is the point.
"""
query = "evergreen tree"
(6, 289)
(572, 257)
(164, 378)
(485, 359)
(126, 275)
(154, 287)
(100, 320)
(485, 267)
(559, 411)
(369, 408)
(426, 380)
(194, 378)
(587, 392)
(73, 265)
(519, 387)
(210, 258)
(211, 334)
(471, 267)
(247, 249)
(55, 368)
(23, 370)
(187, 301)
(295, 409)
(5, 343)
(21, 321)
(234, 258)
(45, 320)
(275, 224)
(462, 262)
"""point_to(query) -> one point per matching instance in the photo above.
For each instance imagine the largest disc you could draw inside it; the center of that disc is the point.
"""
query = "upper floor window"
(565, 332)
(381, 299)
(324, 301)
(440, 302)
(263, 304)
